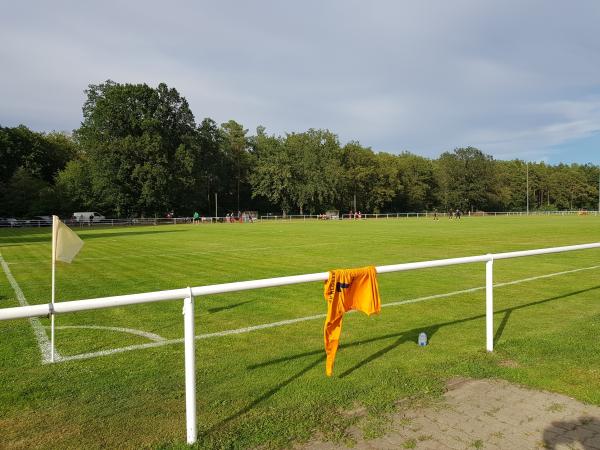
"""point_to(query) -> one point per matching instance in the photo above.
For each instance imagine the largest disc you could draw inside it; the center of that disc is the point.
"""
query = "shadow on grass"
(266, 395)
(24, 238)
(224, 308)
(584, 430)
(402, 337)
(412, 334)
(407, 336)
(500, 329)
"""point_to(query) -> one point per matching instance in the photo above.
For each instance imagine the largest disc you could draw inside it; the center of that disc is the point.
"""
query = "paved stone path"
(488, 414)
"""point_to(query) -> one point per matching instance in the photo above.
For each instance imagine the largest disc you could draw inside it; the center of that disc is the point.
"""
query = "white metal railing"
(189, 293)
(406, 215)
(36, 223)
(426, 214)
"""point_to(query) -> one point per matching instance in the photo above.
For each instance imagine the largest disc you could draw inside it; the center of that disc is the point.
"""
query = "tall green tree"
(74, 186)
(29, 162)
(467, 180)
(316, 171)
(388, 182)
(139, 144)
(211, 167)
(272, 174)
(418, 183)
(512, 182)
(39, 154)
(23, 195)
(372, 179)
(359, 176)
(301, 171)
(236, 148)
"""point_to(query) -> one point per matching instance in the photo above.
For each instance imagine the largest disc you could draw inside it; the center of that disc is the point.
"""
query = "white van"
(88, 216)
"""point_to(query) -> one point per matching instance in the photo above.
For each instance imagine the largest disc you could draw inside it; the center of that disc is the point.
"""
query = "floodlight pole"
(190, 368)
(527, 165)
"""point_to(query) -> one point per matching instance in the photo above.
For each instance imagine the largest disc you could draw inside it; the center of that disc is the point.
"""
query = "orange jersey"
(347, 289)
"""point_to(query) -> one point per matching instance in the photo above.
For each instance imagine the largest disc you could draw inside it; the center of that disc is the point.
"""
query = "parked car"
(88, 216)
(39, 221)
(12, 222)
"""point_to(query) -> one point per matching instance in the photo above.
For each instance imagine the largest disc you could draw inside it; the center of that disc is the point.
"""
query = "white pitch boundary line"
(38, 329)
(198, 252)
(481, 288)
(307, 318)
(200, 336)
(146, 334)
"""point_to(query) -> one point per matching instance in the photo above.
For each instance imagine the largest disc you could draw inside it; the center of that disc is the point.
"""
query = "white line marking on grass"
(540, 277)
(307, 318)
(433, 297)
(38, 329)
(219, 250)
(147, 335)
(121, 350)
(200, 336)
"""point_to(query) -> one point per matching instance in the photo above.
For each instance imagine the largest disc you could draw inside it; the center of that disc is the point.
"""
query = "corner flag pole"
(65, 245)
(54, 239)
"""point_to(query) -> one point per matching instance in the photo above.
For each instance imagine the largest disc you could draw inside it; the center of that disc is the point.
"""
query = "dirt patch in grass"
(508, 363)
(486, 414)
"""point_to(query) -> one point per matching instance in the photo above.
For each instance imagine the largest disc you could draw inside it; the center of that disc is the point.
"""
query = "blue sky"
(517, 79)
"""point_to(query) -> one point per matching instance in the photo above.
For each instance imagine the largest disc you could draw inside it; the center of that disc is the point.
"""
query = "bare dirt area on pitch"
(486, 414)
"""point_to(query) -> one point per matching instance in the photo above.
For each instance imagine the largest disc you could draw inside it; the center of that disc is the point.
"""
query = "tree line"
(139, 152)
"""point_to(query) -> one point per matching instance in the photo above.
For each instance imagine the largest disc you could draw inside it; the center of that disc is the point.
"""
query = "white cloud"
(513, 78)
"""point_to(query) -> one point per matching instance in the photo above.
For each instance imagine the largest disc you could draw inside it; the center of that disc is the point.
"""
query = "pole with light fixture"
(527, 169)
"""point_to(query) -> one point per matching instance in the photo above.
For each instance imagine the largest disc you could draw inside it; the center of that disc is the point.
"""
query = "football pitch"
(260, 355)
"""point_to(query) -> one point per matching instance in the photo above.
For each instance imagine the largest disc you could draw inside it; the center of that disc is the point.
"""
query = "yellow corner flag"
(65, 243)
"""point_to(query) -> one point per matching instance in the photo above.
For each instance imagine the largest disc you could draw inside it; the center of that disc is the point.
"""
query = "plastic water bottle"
(422, 339)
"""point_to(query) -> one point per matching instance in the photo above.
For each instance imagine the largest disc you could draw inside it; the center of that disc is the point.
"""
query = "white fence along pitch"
(189, 293)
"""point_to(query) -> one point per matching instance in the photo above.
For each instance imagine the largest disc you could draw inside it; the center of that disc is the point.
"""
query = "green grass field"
(267, 388)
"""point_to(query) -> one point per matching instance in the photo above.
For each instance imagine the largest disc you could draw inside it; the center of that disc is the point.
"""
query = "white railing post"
(190, 368)
(489, 304)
